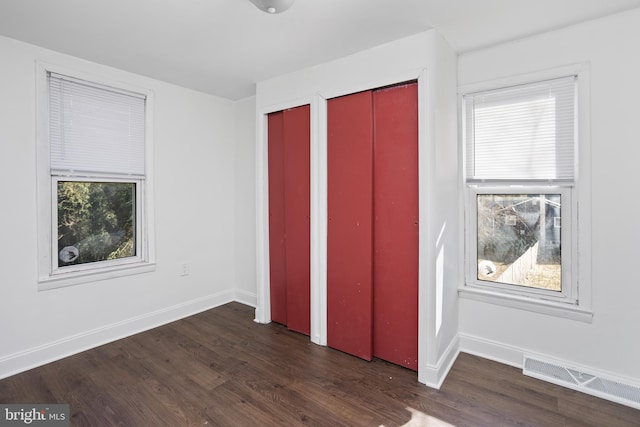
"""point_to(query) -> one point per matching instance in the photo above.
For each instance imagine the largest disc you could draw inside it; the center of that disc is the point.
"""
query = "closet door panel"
(297, 216)
(277, 264)
(349, 244)
(395, 228)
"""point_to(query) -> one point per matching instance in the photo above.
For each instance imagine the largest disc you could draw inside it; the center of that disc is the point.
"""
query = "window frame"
(50, 276)
(578, 304)
(139, 227)
(569, 291)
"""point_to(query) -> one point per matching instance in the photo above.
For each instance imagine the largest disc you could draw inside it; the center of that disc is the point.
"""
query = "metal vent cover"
(590, 383)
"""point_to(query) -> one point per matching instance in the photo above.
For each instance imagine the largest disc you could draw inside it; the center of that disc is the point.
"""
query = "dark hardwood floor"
(221, 368)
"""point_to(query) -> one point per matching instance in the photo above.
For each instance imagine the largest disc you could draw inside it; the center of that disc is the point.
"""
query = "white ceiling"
(224, 47)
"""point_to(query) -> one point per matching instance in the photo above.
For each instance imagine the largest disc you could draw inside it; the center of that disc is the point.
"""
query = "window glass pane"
(96, 221)
(518, 239)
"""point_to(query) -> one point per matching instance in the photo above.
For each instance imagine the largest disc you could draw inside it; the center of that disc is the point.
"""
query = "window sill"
(79, 277)
(550, 308)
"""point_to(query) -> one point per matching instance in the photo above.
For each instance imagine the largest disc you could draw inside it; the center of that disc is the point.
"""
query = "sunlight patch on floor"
(420, 419)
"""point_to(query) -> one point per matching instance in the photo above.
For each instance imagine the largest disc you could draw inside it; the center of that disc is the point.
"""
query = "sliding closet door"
(349, 240)
(289, 217)
(297, 216)
(395, 225)
(372, 277)
(277, 264)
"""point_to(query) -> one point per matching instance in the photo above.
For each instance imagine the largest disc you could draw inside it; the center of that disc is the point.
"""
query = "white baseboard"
(246, 298)
(492, 350)
(50, 352)
(434, 376)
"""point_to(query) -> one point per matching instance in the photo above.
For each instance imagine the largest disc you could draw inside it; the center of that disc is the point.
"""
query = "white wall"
(610, 343)
(441, 204)
(245, 201)
(425, 56)
(195, 198)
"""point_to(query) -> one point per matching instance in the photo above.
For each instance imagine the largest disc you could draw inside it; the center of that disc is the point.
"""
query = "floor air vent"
(582, 381)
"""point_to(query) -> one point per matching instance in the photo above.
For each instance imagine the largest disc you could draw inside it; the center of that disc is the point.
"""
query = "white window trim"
(579, 305)
(49, 275)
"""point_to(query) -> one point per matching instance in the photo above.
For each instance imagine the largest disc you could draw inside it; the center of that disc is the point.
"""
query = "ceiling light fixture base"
(272, 6)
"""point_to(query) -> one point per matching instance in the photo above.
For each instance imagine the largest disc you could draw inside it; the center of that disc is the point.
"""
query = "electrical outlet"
(185, 270)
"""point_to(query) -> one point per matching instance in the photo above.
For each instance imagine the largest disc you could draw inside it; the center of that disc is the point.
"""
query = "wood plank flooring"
(219, 368)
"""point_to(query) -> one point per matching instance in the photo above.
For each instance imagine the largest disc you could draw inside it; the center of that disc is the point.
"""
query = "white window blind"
(524, 132)
(95, 129)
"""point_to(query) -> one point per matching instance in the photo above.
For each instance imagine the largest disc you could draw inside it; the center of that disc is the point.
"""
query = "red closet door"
(289, 214)
(395, 226)
(349, 240)
(277, 265)
(297, 214)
